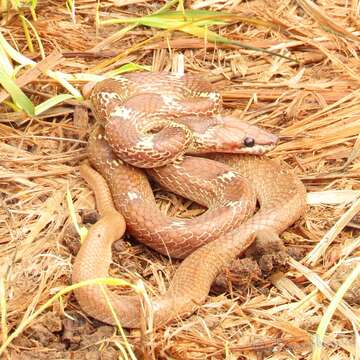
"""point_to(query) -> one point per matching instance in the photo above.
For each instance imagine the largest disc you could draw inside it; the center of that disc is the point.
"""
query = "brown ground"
(272, 307)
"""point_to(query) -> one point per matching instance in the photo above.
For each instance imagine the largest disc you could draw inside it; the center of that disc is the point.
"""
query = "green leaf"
(23, 60)
(52, 102)
(15, 55)
(173, 19)
(201, 17)
(61, 78)
(216, 38)
(127, 68)
(195, 22)
(5, 63)
(167, 6)
(37, 36)
(17, 95)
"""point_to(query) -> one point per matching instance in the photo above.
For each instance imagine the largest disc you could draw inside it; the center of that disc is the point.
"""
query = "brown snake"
(280, 194)
(225, 193)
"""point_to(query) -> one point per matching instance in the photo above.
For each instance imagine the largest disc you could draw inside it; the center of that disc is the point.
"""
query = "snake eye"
(249, 142)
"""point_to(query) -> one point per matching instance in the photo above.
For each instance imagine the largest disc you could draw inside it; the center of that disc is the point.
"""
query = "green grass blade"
(23, 60)
(216, 38)
(167, 6)
(17, 95)
(330, 311)
(127, 68)
(52, 102)
(26, 32)
(15, 55)
(33, 8)
(173, 19)
(84, 77)
(166, 20)
(5, 63)
(12, 106)
(61, 78)
(16, 4)
(194, 22)
(26, 322)
(37, 36)
(3, 310)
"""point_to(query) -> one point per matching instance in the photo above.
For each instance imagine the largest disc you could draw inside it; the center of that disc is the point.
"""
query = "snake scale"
(152, 120)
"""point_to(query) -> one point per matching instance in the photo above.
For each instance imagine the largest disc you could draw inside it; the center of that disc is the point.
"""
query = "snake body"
(228, 196)
(280, 194)
(282, 201)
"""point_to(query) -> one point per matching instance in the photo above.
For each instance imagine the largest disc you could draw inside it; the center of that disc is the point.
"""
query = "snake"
(227, 195)
(280, 194)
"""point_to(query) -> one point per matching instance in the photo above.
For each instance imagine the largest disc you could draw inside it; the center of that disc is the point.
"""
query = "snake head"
(227, 134)
(240, 137)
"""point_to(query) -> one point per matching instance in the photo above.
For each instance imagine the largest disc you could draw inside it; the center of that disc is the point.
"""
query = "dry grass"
(313, 104)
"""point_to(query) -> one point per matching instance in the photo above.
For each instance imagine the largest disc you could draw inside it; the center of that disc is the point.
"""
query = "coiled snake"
(152, 120)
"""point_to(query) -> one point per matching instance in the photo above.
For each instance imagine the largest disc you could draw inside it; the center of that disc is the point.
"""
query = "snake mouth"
(257, 149)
